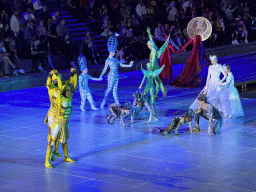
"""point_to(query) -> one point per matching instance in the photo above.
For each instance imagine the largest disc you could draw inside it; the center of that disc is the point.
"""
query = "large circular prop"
(199, 26)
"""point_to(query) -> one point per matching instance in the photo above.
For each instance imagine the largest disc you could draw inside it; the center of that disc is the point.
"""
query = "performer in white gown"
(213, 85)
(229, 97)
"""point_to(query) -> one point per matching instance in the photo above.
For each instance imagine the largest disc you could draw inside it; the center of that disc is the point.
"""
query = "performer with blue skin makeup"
(112, 63)
(83, 84)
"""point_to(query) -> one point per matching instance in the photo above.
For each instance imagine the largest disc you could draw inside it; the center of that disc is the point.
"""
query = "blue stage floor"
(113, 158)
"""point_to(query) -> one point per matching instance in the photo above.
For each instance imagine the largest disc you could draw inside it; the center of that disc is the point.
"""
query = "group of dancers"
(219, 98)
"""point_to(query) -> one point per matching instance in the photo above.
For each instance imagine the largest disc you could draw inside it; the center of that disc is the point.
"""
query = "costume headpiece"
(82, 62)
(213, 57)
(224, 67)
(112, 43)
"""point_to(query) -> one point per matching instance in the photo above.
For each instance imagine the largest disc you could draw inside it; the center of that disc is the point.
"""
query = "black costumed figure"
(179, 121)
(118, 111)
(210, 113)
(141, 101)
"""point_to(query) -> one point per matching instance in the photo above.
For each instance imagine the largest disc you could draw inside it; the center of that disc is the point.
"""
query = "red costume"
(191, 74)
(166, 59)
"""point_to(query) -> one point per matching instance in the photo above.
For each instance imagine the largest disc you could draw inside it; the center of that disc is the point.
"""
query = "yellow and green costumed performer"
(59, 126)
(53, 88)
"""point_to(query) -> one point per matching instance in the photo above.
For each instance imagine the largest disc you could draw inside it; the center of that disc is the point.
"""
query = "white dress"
(212, 87)
(230, 100)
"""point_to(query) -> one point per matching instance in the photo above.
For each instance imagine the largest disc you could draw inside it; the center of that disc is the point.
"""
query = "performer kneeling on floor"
(179, 121)
(209, 112)
(118, 111)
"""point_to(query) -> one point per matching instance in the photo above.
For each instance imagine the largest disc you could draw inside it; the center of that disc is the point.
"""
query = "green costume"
(152, 66)
(150, 75)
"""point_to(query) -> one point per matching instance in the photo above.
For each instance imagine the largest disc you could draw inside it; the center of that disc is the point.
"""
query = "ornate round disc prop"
(199, 26)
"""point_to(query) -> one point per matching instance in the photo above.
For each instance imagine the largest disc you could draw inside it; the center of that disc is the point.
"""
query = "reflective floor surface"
(133, 158)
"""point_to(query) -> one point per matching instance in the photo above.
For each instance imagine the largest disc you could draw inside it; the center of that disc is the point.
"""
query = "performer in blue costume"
(112, 63)
(83, 84)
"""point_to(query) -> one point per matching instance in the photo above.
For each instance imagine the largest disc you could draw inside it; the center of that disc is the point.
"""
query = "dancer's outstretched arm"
(95, 79)
(149, 34)
(123, 65)
(162, 49)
